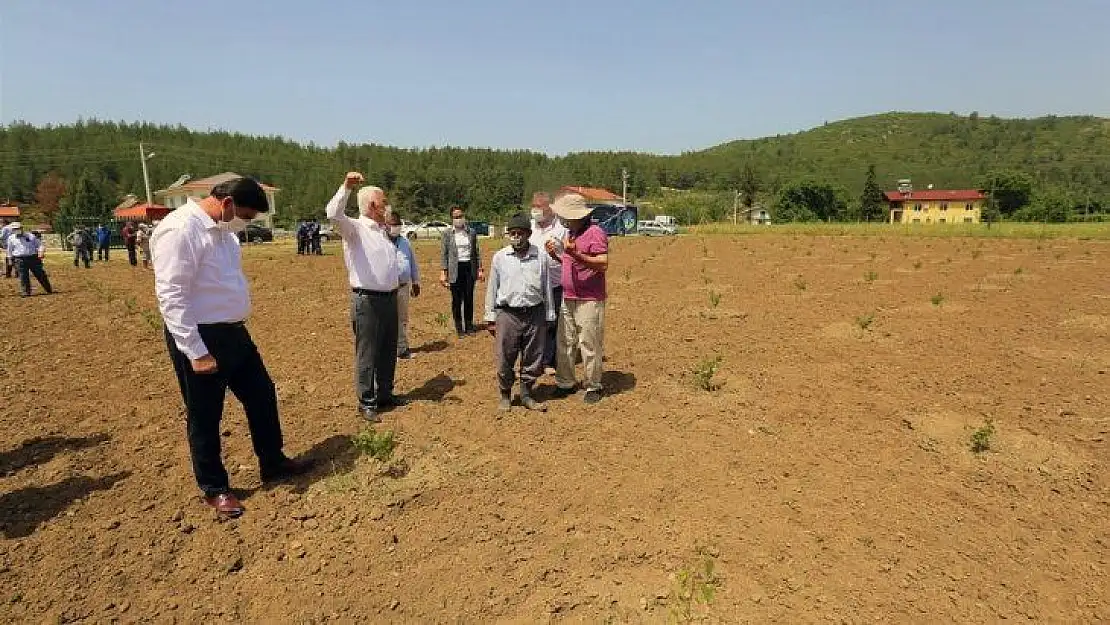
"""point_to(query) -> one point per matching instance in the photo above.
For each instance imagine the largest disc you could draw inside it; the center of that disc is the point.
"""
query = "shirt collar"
(532, 252)
(205, 218)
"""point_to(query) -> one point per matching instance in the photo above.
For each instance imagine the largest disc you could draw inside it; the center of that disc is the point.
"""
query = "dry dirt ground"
(828, 477)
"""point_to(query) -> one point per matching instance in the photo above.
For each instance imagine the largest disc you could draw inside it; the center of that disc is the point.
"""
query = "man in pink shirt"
(585, 259)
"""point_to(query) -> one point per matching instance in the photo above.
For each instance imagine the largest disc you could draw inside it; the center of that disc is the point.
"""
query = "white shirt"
(462, 244)
(23, 244)
(555, 231)
(198, 276)
(370, 256)
(518, 281)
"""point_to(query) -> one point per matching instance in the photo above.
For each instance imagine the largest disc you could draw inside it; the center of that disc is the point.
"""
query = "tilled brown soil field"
(826, 475)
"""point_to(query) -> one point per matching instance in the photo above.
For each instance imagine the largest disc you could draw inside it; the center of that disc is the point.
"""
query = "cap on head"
(571, 206)
(15, 225)
(519, 222)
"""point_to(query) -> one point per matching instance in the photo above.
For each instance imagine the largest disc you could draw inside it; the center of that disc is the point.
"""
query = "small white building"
(757, 215)
(181, 191)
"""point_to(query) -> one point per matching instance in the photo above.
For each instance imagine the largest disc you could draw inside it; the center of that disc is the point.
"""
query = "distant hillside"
(1071, 153)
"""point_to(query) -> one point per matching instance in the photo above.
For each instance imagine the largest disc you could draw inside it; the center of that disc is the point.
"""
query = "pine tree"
(873, 200)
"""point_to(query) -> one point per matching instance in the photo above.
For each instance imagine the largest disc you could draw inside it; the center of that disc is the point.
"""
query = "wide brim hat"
(571, 206)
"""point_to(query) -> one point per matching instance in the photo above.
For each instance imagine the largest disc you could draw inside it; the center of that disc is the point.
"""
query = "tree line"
(1046, 169)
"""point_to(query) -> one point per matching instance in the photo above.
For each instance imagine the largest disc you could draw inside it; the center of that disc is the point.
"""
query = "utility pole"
(735, 207)
(624, 185)
(143, 156)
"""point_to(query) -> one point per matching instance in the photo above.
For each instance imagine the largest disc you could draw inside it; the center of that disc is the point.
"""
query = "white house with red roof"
(935, 206)
(185, 189)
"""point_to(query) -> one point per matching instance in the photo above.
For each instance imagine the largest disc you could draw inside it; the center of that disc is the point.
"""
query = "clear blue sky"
(555, 76)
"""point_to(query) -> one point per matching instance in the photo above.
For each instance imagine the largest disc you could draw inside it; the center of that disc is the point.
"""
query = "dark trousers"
(302, 245)
(552, 329)
(241, 370)
(26, 266)
(102, 251)
(462, 298)
(316, 249)
(82, 254)
(374, 321)
(521, 332)
(9, 266)
(131, 257)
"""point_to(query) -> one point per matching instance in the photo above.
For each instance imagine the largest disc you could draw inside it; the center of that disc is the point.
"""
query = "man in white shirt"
(546, 226)
(202, 294)
(5, 232)
(374, 276)
(25, 251)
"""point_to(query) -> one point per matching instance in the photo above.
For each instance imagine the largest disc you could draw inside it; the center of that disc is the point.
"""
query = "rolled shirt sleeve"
(175, 262)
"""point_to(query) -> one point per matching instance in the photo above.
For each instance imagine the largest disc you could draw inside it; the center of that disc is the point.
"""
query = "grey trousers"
(374, 321)
(520, 333)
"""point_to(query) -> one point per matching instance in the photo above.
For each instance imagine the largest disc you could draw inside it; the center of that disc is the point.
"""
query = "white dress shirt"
(370, 256)
(557, 232)
(23, 244)
(198, 276)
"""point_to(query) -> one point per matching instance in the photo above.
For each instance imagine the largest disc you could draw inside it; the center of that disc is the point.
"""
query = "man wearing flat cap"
(519, 305)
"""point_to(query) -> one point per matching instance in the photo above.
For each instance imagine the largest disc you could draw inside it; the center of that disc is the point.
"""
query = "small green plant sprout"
(714, 299)
(800, 283)
(873, 255)
(441, 320)
(131, 304)
(375, 444)
(704, 373)
(870, 276)
(152, 319)
(865, 321)
(917, 265)
(981, 439)
(937, 299)
(1019, 271)
(694, 585)
(975, 254)
(627, 275)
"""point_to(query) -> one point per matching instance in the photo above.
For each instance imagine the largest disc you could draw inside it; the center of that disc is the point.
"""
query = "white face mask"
(459, 223)
(395, 231)
(236, 224)
(537, 215)
(517, 241)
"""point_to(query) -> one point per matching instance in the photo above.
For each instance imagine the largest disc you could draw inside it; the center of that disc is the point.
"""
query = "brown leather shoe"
(227, 506)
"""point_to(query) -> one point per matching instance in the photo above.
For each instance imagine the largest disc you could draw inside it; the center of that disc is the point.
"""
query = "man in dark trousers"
(82, 247)
(374, 275)
(519, 305)
(25, 250)
(103, 242)
(314, 238)
(130, 240)
(462, 265)
(203, 297)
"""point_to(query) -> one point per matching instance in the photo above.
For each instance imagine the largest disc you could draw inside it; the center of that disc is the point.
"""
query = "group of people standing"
(136, 240)
(23, 254)
(547, 283)
(308, 238)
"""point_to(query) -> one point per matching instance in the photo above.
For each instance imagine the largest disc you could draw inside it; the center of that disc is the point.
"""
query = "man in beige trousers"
(585, 259)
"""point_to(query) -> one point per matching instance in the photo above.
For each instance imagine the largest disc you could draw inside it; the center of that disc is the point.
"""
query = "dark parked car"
(615, 219)
(256, 234)
(481, 228)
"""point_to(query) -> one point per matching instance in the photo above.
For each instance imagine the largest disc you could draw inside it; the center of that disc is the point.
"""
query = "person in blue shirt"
(103, 241)
(409, 283)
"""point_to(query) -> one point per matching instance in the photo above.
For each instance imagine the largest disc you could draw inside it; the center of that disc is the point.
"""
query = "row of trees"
(1048, 169)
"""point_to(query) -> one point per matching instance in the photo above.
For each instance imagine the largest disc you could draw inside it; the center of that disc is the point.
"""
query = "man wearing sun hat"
(585, 259)
(26, 251)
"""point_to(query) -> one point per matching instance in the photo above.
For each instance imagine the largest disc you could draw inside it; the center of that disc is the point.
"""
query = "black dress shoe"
(563, 393)
(285, 469)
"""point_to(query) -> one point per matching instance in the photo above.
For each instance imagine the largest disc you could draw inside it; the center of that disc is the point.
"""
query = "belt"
(370, 293)
(519, 309)
(223, 324)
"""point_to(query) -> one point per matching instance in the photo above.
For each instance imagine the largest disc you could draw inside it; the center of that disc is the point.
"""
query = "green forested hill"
(1065, 154)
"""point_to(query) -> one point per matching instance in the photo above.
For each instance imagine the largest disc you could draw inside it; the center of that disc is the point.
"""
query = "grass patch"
(441, 319)
(694, 585)
(982, 438)
(714, 299)
(379, 445)
(937, 299)
(870, 276)
(800, 283)
(865, 321)
(704, 373)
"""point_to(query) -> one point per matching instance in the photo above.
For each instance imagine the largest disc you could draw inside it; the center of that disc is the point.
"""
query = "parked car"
(255, 233)
(655, 229)
(615, 219)
(481, 228)
(427, 230)
(327, 233)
